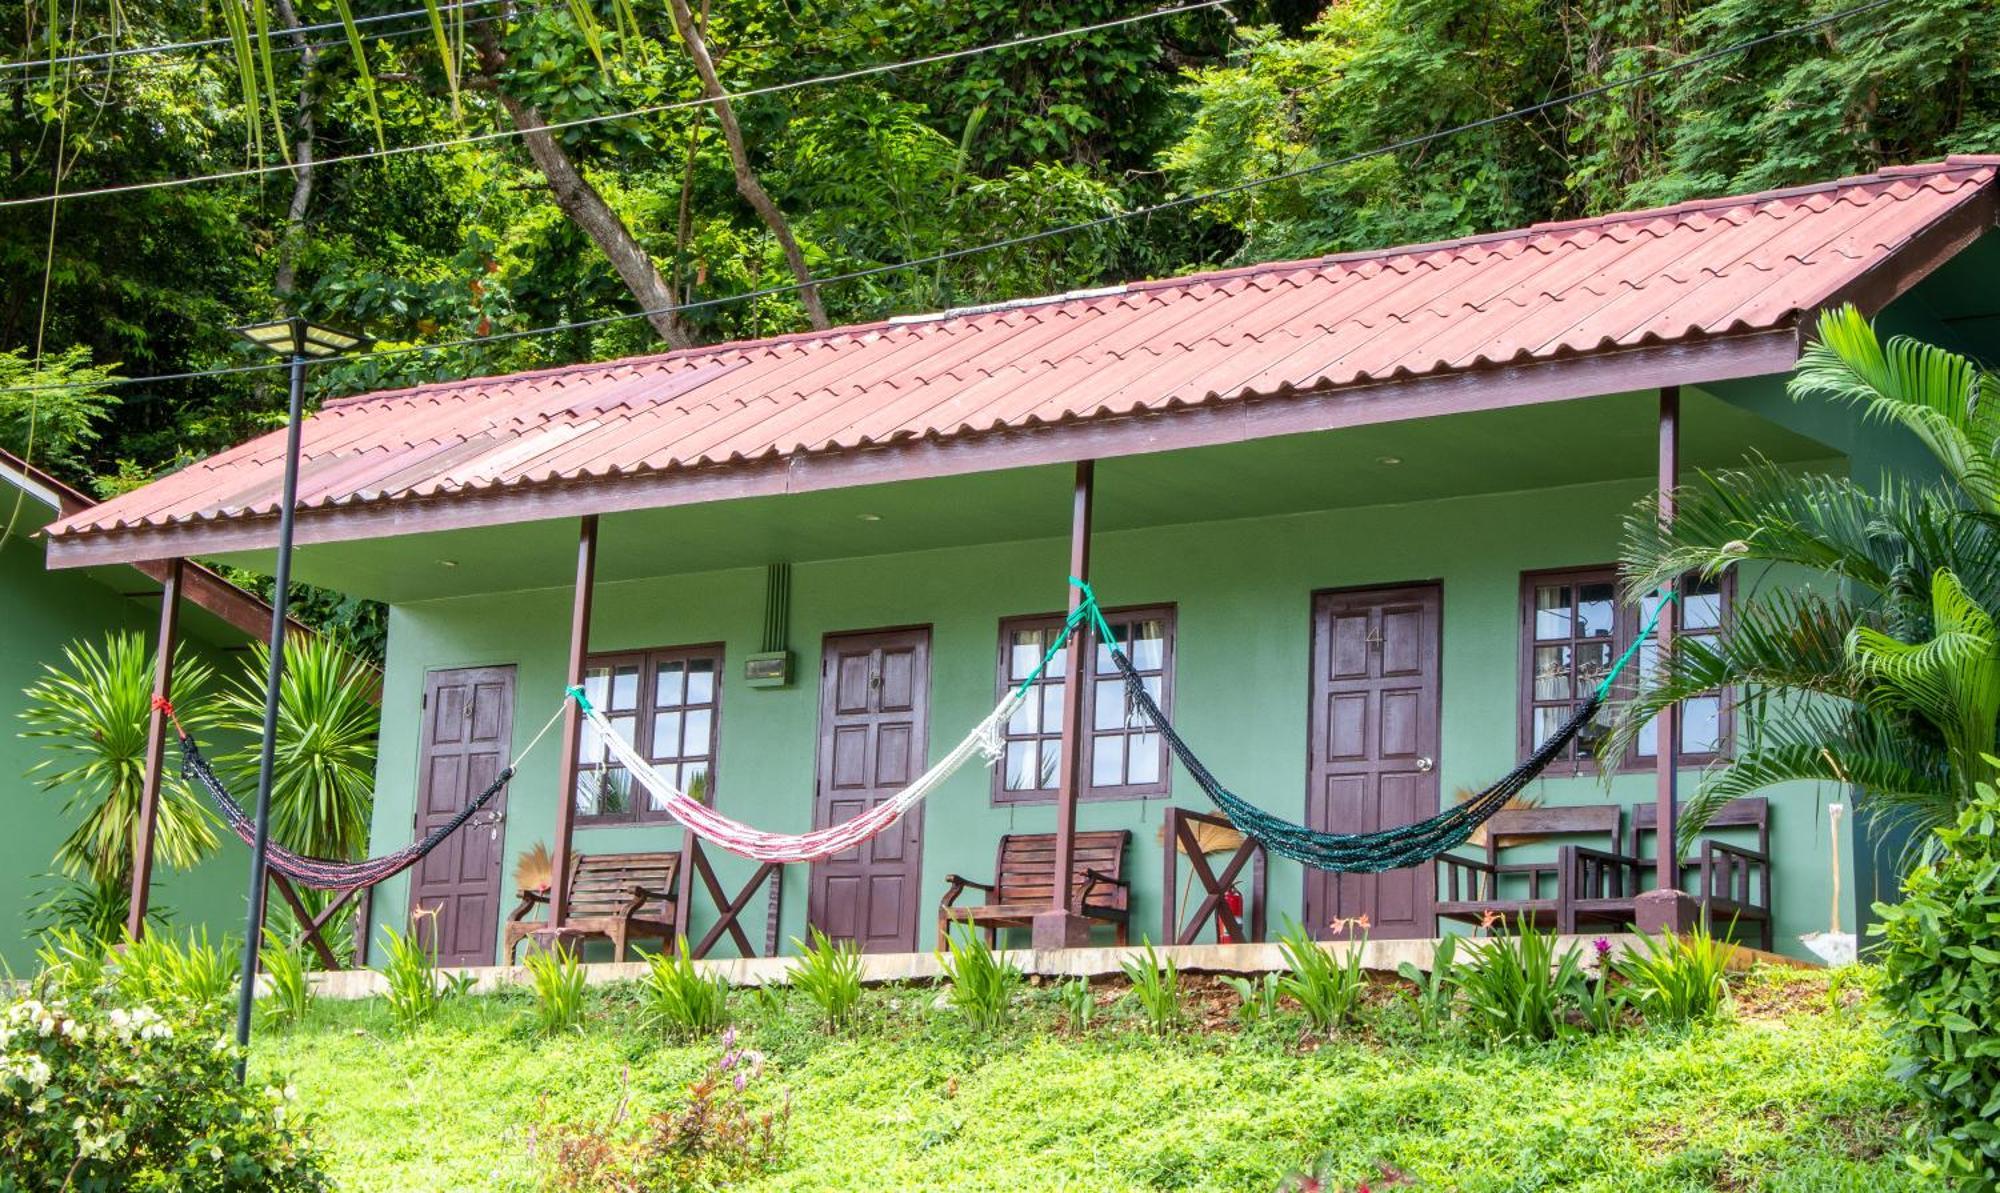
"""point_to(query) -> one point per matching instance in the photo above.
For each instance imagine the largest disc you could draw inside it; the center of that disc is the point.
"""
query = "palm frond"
(1951, 679)
(323, 783)
(1946, 400)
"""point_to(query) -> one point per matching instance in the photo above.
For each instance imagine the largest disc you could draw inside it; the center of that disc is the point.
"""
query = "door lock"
(1426, 764)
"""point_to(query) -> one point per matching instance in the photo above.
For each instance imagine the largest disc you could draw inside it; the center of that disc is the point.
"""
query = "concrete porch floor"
(1383, 956)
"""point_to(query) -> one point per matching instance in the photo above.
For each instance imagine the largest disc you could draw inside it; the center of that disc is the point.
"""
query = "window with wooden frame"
(667, 703)
(1573, 627)
(1124, 756)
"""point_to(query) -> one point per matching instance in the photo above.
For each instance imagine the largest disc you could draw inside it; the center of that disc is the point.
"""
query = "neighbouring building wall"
(1243, 593)
(45, 611)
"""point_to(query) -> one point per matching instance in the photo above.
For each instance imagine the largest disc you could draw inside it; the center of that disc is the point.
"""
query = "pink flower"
(1602, 946)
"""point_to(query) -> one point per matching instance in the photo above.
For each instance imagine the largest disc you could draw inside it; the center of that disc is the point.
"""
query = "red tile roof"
(1692, 272)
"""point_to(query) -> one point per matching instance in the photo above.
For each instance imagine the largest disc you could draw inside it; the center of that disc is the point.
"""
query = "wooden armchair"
(1732, 884)
(1024, 884)
(1475, 889)
(617, 896)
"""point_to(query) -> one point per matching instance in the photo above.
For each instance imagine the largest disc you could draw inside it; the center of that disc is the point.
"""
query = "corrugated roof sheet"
(1697, 270)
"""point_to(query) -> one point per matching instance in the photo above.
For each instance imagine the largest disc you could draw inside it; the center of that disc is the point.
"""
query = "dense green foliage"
(465, 243)
(116, 1072)
(1789, 1093)
(1942, 969)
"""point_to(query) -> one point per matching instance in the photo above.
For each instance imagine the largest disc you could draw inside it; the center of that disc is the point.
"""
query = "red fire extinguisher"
(1232, 901)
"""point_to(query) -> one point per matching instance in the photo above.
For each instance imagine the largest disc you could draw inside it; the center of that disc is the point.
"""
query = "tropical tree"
(1884, 672)
(90, 714)
(322, 788)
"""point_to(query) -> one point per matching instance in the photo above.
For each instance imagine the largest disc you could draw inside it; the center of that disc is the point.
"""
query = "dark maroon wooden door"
(873, 724)
(468, 725)
(1374, 742)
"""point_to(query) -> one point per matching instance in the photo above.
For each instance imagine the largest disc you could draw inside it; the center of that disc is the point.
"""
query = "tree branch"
(747, 185)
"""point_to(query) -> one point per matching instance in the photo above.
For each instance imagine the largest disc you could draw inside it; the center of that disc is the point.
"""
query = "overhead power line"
(204, 43)
(1152, 209)
(504, 134)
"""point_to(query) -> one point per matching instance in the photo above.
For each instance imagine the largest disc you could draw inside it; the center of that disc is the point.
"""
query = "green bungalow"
(1353, 518)
(45, 612)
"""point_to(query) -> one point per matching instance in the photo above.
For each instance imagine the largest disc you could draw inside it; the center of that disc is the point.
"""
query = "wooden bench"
(1024, 886)
(1731, 884)
(617, 896)
(1473, 888)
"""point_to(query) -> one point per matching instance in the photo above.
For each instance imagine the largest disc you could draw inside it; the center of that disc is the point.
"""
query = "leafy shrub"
(1431, 991)
(713, 1140)
(288, 993)
(1256, 998)
(1156, 987)
(556, 978)
(1077, 1002)
(679, 1000)
(1678, 979)
(415, 993)
(1517, 988)
(156, 968)
(1329, 989)
(1941, 984)
(829, 974)
(99, 1091)
(982, 984)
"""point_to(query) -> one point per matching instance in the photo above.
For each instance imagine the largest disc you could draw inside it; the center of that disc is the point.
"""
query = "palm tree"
(1885, 673)
(90, 714)
(322, 788)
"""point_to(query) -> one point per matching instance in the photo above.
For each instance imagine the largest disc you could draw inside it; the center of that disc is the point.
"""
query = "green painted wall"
(44, 612)
(1243, 590)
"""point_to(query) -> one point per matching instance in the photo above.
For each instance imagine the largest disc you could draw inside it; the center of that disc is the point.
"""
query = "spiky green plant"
(1329, 988)
(982, 983)
(288, 992)
(1156, 987)
(1678, 979)
(828, 972)
(323, 784)
(1884, 677)
(556, 978)
(90, 714)
(679, 999)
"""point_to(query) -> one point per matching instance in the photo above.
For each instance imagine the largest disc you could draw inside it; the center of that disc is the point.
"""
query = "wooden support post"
(572, 737)
(1060, 927)
(1665, 908)
(156, 752)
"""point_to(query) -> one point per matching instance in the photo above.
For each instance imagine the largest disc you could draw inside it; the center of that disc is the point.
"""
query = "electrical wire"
(505, 134)
(1082, 225)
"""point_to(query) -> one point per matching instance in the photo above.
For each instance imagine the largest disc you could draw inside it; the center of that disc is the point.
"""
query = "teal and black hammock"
(1390, 848)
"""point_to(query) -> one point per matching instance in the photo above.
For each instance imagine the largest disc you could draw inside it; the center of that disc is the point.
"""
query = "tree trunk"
(286, 277)
(746, 180)
(587, 209)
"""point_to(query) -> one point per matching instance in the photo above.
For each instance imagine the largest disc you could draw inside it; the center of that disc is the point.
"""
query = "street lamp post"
(301, 342)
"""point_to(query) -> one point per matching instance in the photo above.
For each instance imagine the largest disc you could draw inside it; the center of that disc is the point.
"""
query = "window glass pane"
(670, 684)
(1552, 618)
(605, 792)
(1027, 718)
(1701, 724)
(596, 682)
(1108, 711)
(1648, 741)
(1593, 661)
(1701, 606)
(1051, 763)
(1058, 666)
(590, 750)
(1107, 760)
(1147, 641)
(625, 687)
(1595, 606)
(670, 773)
(586, 793)
(694, 781)
(1154, 687)
(1648, 660)
(1145, 758)
(1021, 769)
(1023, 652)
(1052, 698)
(695, 734)
(626, 727)
(1552, 673)
(1591, 735)
(1548, 719)
(701, 681)
(667, 735)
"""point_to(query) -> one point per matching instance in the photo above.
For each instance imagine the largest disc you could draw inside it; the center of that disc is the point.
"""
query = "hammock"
(328, 874)
(1387, 849)
(708, 824)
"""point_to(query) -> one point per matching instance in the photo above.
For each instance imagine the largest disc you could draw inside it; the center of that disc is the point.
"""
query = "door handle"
(1426, 764)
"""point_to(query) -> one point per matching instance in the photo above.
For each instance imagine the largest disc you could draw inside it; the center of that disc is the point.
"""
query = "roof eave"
(1203, 424)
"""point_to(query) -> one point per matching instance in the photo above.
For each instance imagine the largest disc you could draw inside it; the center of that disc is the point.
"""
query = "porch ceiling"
(1568, 443)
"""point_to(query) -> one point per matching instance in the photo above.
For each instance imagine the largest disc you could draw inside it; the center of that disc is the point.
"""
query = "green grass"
(909, 1096)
